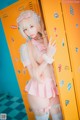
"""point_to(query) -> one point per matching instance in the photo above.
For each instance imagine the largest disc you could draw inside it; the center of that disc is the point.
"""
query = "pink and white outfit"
(46, 89)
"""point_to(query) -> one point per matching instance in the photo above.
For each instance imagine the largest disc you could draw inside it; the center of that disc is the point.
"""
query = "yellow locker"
(53, 17)
(14, 41)
(72, 11)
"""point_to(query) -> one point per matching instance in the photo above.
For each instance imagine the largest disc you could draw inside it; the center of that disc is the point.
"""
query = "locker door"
(71, 13)
(14, 41)
(52, 11)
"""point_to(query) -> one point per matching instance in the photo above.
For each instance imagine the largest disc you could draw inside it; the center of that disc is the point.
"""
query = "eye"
(25, 30)
(31, 26)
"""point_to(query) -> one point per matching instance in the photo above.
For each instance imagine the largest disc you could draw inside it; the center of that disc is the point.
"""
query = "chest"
(37, 53)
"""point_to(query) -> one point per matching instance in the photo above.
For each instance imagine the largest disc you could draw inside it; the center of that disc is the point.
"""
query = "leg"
(39, 106)
(55, 110)
(42, 117)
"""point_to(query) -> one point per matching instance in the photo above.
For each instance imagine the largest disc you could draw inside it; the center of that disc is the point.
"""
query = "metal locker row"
(62, 22)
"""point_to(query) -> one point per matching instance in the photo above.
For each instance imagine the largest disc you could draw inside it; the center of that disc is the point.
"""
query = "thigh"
(54, 100)
(37, 103)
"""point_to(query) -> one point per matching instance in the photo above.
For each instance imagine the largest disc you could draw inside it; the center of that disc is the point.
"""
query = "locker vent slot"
(30, 5)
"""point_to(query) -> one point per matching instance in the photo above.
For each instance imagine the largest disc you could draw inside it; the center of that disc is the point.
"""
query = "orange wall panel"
(52, 11)
(71, 13)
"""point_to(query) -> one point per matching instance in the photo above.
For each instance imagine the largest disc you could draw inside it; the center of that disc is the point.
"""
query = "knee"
(41, 114)
(55, 108)
(56, 112)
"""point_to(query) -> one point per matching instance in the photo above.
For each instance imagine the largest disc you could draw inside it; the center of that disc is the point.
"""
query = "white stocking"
(56, 112)
(57, 116)
(42, 117)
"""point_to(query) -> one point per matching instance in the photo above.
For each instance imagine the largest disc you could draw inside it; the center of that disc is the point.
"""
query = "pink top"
(47, 88)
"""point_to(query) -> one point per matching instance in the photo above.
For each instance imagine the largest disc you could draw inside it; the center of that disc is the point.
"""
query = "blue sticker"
(61, 83)
(67, 102)
(76, 49)
(71, 10)
(63, 43)
(56, 15)
(77, 25)
(69, 86)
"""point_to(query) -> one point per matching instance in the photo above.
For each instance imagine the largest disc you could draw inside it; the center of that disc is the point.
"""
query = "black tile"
(9, 97)
(9, 103)
(20, 107)
(9, 118)
(0, 104)
(20, 116)
(1, 94)
(7, 110)
(2, 99)
(20, 100)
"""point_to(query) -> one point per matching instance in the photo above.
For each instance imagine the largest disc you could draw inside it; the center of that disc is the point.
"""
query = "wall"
(6, 3)
(8, 80)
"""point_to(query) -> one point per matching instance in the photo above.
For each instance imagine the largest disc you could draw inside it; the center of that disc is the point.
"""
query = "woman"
(37, 55)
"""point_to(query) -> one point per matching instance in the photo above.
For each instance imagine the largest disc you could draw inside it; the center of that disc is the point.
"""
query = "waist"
(42, 79)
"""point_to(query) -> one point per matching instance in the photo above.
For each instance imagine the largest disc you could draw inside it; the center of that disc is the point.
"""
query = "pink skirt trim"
(47, 89)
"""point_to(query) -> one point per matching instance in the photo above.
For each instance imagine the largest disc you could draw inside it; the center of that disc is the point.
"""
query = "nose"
(30, 30)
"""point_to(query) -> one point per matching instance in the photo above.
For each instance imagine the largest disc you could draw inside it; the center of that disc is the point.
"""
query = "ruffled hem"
(46, 89)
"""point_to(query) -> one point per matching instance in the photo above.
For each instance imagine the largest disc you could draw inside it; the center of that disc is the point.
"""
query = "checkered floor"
(13, 107)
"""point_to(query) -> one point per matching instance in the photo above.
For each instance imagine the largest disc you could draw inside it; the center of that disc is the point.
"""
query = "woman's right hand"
(51, 50)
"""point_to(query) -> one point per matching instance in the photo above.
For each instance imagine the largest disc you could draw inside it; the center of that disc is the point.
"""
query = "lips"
(32, 35)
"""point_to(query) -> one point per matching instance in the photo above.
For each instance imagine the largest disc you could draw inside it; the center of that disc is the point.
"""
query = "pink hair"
(30, 14)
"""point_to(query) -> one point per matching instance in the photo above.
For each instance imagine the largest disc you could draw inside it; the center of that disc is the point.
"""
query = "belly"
(47, 73)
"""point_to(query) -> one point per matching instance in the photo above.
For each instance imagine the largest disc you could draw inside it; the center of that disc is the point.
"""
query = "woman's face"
(29, 28)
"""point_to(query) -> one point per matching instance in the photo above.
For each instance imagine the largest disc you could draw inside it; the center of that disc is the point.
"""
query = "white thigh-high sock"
(57, 116)
(42, 117)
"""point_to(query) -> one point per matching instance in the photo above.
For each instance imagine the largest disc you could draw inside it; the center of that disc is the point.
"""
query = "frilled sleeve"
(24, 56)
